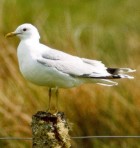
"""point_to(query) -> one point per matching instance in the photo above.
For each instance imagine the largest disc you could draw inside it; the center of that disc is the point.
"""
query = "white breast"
(38, 73)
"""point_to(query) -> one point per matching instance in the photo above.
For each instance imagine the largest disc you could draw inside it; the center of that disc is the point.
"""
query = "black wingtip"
(112, 71)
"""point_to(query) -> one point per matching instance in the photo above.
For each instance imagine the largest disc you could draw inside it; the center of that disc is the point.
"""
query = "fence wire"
(77, 137)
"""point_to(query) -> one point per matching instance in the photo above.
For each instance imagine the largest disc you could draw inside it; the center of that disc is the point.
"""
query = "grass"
(104, 30)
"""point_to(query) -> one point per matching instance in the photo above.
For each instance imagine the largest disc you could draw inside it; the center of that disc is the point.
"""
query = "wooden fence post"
(50, 130)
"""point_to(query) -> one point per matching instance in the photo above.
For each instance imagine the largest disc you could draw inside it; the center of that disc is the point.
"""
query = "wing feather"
(80, 67)
(71, 65)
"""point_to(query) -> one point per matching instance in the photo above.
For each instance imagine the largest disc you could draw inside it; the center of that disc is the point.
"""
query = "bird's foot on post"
(52, 111)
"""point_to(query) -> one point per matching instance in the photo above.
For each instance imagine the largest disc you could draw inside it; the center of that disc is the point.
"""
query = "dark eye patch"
(24, 29)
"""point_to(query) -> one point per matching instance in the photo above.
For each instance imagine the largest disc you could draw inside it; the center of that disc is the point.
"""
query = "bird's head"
(25, 31)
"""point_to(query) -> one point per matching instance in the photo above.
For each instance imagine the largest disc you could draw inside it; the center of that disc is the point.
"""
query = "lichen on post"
(50, 130)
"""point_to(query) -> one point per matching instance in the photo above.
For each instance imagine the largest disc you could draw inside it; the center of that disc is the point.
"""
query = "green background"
(107, 30)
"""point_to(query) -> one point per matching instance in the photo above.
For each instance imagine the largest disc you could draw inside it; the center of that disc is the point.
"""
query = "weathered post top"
(50, 130)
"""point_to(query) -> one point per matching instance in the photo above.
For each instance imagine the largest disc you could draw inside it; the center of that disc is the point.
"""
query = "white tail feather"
(126, 70)
(126, 76)
(107, 83)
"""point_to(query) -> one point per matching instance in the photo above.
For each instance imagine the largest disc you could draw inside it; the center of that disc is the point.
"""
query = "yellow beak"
(11, 34)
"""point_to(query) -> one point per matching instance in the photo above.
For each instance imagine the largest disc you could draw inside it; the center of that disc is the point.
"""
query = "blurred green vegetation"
(98, 29)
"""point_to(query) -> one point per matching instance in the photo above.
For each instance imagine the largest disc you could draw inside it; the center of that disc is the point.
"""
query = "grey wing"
(94, 63)
(73, 68)
(80, 67)
(72, 65)
(53, 54)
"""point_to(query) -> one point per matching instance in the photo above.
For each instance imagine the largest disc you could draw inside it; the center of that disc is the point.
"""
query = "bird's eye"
(24, 29)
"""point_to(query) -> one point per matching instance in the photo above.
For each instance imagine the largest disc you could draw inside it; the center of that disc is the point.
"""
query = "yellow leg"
(56, 94)
(50, 95)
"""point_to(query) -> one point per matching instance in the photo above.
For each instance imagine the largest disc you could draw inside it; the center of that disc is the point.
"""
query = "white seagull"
(45, 66)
